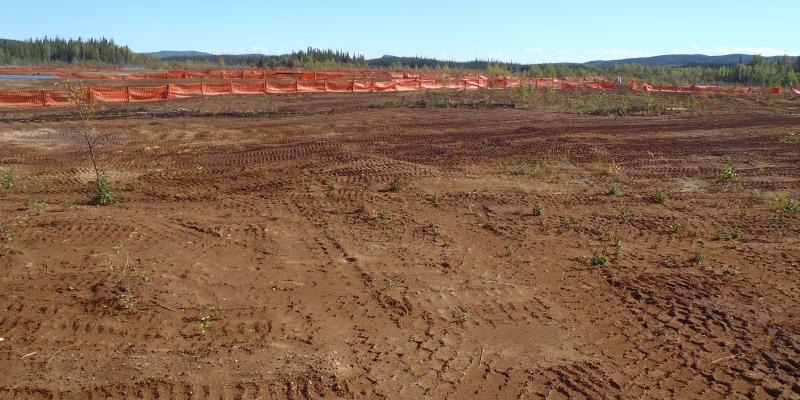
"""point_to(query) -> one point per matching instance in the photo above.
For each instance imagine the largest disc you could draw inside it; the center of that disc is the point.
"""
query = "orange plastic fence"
(125, 94)
(644, 86)
(795, 91)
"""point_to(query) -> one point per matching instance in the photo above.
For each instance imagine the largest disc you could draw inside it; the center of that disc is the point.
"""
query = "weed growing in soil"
(566, 226)
(509, 251)
(434, 228)
(331, 185)
(6, 234)
(385, 214)
(676, 226)
(699, 257)
(67, 204)
(598, 258)
(8, 180)
(731, 234)
(660, 197)
(210, 313)
(613, 190)
(105, 193)
(618, 247)
(728, 173)
(395, 185)
(433, 199)
(538, 210)
(624, 215)
(39, 207)
(792, 138)
(793, 206)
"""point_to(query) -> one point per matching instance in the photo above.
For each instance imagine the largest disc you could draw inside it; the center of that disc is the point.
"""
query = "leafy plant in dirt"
(699, 257)
(566, 226)
(792, 138)
(728, 173)
(509, 251)
(384, 213)
(209, 314)
(395, 185)
(67, 204)
(331, 185)
(613, 190)
(598, 258)
(86, 110)
(119, 276)
(731, 234)
(660, 197)
(538, 210)
(7, 180)
(105, 193)
(676, 226)
(434, 228)
(793, 206)
(624, 215)
(6, 234)
(618, 247)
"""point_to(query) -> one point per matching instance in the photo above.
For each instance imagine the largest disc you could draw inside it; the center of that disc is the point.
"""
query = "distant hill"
(682, 60)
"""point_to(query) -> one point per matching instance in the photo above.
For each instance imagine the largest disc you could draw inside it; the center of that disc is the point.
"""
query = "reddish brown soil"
(331, 285)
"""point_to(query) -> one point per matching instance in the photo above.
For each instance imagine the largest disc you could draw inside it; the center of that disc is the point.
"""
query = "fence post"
(128, 93)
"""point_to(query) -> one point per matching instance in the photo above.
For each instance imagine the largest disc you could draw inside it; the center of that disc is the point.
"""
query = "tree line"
(69, 51)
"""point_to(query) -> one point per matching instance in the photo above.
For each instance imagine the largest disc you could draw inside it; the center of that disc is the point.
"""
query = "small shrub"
(728, 173)
(8, 181)
(660, 197)
(613, 190)
(384, 213)
(538, 210)
(395, 185)
(699, 257)
(598, 258)
(105, 193)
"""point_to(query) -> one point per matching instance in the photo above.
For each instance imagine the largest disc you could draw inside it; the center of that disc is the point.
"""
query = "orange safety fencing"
(126, 94)
(644, 86)
(795, 91)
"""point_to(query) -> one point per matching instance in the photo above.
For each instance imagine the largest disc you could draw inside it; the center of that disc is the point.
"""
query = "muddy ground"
(346, 246)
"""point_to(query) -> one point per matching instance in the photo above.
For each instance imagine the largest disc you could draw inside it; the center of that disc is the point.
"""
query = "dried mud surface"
(332, 285)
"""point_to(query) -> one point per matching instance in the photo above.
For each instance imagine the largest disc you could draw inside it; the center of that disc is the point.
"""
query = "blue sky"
(521, 31)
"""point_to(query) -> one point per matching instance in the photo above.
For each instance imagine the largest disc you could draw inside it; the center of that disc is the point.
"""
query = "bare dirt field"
(345, 246)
